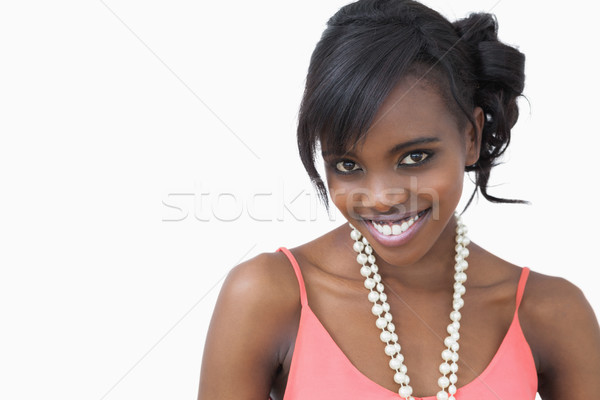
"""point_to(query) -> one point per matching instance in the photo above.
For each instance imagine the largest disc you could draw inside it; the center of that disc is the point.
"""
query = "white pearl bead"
(443, 382)
(450, 329)
(463, 265)
(365, 271)
(458, 304)
(365, 241)
(457, 286)
(358, 247)
(455, 346)
(403, 369)
(455, 335)
(355, 235)
(369, 283)
(454, 357)
(371, 258)
(391, 327)
(464, 252)
(385, 336)
(448, 341)
(453, 368)
(381, 323)
(451, 389)
(374, 268)
(386, 306)
(444, 368)
(398, 347)
(380, 287)
(453, 378)
(377, 278)
(394, 337)
(456, 325)
(446, 355)
(368, 249)
(383, 297)
(460, 277)
(405, 391)
(455, 315)
(456, 295)
(458, 248)
(390, 350)
(466, 241)
(377, 309)
(361, 258)
(373, 296)
(399, 378)
(388, 317)
(441, 395)
(395, 363)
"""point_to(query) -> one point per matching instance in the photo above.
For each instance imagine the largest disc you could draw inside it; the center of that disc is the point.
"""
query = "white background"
(116, 116)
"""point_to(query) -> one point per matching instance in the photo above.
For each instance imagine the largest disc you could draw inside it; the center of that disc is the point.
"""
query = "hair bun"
(495, 62)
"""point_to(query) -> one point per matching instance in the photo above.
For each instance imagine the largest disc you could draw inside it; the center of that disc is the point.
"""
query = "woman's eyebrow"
(397, 148)
(422, 140)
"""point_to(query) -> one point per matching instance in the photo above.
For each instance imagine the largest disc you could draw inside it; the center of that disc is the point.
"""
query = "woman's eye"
(346, 166)
(415, 157)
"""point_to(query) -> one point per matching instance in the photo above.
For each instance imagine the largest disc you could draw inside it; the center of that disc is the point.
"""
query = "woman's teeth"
(395, 228)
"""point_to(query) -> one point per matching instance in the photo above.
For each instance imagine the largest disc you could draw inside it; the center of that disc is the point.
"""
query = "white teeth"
(395, 229)
(387, 230)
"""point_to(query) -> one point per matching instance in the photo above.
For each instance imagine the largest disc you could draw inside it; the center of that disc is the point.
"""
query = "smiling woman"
(401, 103)
(385, 187)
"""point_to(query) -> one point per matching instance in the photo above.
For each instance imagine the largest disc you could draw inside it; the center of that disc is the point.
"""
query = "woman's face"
(401, 185)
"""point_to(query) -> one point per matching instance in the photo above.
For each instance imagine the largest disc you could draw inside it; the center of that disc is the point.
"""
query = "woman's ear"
(473, 142)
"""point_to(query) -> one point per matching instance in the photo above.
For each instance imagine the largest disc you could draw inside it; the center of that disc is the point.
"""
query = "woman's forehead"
(413, 109)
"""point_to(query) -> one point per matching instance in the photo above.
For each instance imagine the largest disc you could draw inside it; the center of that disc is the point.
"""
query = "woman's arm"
(563, 332)
(251, 330)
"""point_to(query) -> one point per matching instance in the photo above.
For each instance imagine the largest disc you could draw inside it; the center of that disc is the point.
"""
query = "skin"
(251, 338)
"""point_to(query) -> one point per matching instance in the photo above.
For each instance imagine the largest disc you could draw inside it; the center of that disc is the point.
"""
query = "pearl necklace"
(381, 309)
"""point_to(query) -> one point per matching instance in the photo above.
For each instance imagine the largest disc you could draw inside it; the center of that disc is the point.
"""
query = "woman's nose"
(383, 195)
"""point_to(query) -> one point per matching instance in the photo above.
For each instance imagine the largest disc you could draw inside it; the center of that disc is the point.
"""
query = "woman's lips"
(400, 233)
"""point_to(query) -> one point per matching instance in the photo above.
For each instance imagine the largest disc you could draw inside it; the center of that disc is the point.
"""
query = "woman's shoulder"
(266, 278)
(559, 324)
(547, 297)
(260, 300)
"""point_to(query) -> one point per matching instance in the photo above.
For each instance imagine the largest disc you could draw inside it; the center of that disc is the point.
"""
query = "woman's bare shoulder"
(259, 300)
(547, 297)
(265, 278)
(562, 330)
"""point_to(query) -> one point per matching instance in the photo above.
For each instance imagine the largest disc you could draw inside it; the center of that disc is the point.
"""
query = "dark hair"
(369, 45)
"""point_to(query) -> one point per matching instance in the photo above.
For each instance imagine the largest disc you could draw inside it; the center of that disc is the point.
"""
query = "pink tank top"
(321, 371)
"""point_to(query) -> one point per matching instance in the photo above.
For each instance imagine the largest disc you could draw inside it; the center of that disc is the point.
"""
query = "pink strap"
(521, 287)
(290, 257)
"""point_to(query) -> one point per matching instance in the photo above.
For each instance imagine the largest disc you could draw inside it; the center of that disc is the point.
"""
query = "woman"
(399, 303)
